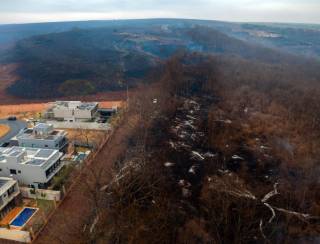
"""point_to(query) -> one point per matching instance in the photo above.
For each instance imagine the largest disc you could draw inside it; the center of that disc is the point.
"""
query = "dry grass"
(22, 110)
(33, 110)
(93, 136)
(4, 129)
(111, 104)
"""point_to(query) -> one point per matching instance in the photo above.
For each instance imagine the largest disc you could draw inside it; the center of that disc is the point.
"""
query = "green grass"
(45, 205)
(62, 177)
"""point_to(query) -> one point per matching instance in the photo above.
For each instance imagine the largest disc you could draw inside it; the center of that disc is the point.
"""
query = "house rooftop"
(41, 131)
(74, 105)
(28, 156)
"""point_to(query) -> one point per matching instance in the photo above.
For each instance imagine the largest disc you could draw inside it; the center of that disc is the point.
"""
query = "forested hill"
(101, 59)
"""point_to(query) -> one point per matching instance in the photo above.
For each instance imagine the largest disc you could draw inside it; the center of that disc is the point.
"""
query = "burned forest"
(224, 150)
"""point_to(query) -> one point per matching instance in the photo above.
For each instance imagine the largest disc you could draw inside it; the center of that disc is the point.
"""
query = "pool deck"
(10, 216)
(26, 221)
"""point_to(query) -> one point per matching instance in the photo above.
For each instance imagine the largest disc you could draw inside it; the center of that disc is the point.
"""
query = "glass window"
(13, 171)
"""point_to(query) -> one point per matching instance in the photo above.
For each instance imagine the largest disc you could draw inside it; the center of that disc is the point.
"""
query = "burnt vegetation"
(225, 151)
(111, 57)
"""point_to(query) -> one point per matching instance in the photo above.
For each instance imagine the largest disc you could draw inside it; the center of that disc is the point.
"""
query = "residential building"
(72, 111)
(34, 167)
(9, 193)
(42, 136)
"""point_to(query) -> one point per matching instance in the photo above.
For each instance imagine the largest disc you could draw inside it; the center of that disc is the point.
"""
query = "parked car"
(6, 144)
(12, 118)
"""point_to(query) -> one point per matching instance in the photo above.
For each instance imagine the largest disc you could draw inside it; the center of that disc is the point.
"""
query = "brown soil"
(4, 129)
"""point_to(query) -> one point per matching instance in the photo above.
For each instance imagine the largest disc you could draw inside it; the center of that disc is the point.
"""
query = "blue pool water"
(81, 157)
(23, 217)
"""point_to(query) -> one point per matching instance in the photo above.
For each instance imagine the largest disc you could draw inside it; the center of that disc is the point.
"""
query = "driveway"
(15, 127)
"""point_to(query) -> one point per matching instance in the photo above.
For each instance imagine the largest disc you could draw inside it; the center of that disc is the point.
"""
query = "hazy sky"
(21, 11)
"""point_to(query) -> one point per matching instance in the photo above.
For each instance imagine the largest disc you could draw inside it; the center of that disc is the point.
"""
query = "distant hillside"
(122, 54)
(295, 38)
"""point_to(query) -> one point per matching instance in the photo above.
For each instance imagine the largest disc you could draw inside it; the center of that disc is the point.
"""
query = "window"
(11, 190)
(19, 171)
(45, 145)
(13, 171)
(0, 170)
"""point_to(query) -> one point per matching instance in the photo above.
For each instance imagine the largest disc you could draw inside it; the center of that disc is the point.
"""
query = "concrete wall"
(29, 174)
(15, 235)
(82, 114)
(5, 198)
(38, 143)
(80, 125)
(63, 113)
(43, 143)
(41, 194)
(73, 114)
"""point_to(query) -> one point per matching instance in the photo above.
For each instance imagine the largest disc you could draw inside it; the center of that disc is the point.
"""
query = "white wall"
(29, 173)
(80, 125)
(41, 194)
(5, 198)
(15, 235)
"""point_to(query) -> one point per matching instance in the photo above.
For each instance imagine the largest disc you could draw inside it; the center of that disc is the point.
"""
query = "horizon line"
(160, 18)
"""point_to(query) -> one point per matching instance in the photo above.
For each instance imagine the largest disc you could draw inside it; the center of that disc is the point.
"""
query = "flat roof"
(52, 135)
(75, 105)
(32, 156)
(43, 126)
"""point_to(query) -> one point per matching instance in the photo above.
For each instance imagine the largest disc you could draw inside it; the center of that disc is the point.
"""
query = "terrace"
(42, 136)
(29, 156)
(47, 133)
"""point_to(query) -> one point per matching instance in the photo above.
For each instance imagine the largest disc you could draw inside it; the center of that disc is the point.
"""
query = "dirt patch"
(111, 104)
(34, 110)
(22, 110)
(4, 129)
(89, 137)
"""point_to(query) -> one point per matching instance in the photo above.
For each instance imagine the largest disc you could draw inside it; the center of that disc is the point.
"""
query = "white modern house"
(42, 136)
(72, 111)
(9, 192)
(33, 167)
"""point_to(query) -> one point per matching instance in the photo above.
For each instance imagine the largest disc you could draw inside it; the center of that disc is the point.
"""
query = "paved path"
(15, 127)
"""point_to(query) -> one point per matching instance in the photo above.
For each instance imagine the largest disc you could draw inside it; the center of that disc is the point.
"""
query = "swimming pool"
(81, 157)
(23, 217)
